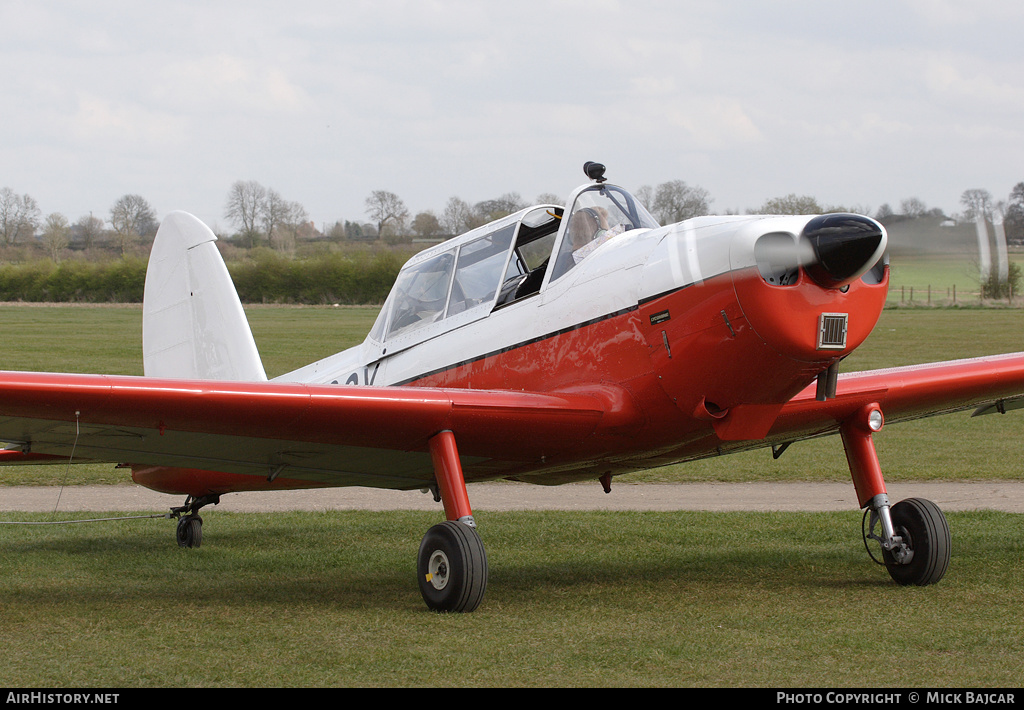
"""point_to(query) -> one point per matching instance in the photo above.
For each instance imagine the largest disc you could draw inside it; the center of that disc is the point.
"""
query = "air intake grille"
(832, 331)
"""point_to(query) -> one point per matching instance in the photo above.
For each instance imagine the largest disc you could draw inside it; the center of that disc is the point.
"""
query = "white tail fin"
(193, 325)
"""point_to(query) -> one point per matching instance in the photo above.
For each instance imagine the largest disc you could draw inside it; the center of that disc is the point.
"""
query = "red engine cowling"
(802, 293)
(817, 298)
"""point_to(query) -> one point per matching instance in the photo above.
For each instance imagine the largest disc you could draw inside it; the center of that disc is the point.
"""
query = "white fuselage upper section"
(626, 270)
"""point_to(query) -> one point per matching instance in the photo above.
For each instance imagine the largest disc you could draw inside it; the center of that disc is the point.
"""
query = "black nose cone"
(845, 245)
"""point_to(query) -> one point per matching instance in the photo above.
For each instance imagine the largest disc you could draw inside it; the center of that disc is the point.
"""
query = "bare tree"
(913, 207)
(791, 204)
(245, 207)
(89, 229)
(385, 207)
(675, 201)
(19, 216)
(282, 220)
(273, 214)
(490, 210)
(1014, 219)
(457, 216)
(976, 203)
(131, 217)
(55, 234)
(645, 195)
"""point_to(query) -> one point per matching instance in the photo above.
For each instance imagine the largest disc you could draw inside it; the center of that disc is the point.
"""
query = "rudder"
(193, 325)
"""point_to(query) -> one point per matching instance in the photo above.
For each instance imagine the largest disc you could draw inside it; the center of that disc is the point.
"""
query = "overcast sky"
(854, 103)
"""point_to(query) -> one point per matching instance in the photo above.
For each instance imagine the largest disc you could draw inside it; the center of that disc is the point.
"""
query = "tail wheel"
(190, 531)
(452, 567)
(925, 531)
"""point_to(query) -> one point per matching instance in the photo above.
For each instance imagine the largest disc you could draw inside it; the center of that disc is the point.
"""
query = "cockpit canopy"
(501, 263)
(598, 213)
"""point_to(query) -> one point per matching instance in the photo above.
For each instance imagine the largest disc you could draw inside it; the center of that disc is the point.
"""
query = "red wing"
(905, 393)
(370, 436)
(332, 435)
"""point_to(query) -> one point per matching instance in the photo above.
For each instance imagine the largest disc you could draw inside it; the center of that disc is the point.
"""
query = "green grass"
(938, 279)
(291, 337)
(79, 339)
(108, 339)
(589, 599)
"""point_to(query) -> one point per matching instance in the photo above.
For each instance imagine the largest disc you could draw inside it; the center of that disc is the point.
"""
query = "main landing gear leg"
(190, 525)
(452, 565)
(914, 534)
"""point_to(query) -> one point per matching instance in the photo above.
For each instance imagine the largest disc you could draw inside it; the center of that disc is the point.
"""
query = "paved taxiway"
(1007, 496)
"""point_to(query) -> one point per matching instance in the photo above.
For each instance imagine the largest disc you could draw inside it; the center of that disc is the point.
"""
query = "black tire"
(190, 531)
(452, 568)
(923, 526)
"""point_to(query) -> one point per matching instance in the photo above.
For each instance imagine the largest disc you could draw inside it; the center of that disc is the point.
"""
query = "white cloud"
(125, 122)
(974, 88)
(229, 83)
(963, 15)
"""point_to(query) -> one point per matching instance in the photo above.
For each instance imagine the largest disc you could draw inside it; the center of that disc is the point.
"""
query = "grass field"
(940, 279)
(581, 599)
(584, 599)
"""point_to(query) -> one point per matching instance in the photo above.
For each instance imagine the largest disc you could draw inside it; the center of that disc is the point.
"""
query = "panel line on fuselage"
(540, 338)
(663, 294)
(516, 346)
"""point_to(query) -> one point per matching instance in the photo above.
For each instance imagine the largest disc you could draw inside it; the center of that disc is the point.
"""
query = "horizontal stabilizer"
(1001, 406)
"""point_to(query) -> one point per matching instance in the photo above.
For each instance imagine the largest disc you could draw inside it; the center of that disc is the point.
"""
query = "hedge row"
(265, 277)
(74, 282)
(268, 277)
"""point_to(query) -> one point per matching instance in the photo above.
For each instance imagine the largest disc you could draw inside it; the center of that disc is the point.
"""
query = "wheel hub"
(437, 570)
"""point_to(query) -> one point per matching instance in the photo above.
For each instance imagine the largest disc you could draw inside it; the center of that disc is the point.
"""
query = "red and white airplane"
(558, 344)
